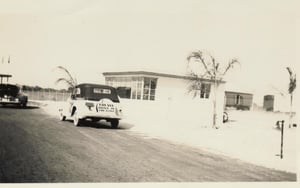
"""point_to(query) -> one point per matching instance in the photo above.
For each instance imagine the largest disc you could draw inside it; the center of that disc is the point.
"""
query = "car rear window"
(97, 93)
(102, 91)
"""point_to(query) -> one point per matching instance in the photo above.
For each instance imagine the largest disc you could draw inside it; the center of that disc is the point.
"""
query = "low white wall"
(174, 105)
(167, 112)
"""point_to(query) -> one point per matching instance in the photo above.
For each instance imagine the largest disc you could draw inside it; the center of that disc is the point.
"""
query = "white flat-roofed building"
(164, 97)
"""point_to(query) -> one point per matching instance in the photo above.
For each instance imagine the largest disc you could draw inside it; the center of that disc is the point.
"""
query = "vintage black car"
(11, 94)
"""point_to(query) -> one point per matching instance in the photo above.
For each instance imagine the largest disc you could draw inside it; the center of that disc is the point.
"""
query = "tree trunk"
(291, 111)
(215, 105)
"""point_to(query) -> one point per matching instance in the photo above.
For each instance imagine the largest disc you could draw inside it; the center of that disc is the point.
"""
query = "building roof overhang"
(237, 92)
(147, 73)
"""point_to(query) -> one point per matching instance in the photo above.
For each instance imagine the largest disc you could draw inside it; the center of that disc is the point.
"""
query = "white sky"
(92, 36)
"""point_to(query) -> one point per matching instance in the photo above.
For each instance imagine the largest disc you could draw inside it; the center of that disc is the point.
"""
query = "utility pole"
(281, 145)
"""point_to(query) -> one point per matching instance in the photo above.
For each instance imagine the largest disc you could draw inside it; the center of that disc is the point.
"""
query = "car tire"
(225, 117)
(62, 117)
(76, 120)
(114, 123)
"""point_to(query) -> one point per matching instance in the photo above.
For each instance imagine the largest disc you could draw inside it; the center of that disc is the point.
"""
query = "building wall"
(173, 104)
(280, 103)
(184, 107)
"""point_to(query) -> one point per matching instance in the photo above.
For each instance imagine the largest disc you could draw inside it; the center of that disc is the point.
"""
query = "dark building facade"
(238, 100)
(269, 102)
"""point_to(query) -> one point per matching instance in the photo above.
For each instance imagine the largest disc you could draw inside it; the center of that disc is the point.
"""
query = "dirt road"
(35, 147)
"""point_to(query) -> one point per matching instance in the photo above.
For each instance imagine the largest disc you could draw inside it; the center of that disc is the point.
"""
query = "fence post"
(49, 95)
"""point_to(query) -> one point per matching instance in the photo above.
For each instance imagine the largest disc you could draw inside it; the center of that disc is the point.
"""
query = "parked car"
(94, 102)
(11, 94)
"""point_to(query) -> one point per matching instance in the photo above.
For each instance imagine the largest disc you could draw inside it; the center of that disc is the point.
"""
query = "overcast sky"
(91, 37)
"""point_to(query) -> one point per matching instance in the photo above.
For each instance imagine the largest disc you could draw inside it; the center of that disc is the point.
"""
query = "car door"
(72, 99)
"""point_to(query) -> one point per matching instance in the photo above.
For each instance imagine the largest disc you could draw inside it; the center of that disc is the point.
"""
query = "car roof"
(94, 85)
(8, 85)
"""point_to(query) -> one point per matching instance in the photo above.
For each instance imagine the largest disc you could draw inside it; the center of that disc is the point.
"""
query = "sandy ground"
(249, 135)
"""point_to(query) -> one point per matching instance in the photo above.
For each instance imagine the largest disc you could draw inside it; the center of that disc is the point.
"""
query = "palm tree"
(292, 87)
(211, 71)
(69, 80)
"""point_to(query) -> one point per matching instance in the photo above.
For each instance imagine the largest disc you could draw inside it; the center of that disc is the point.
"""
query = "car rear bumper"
(10, 101)
(100, 115)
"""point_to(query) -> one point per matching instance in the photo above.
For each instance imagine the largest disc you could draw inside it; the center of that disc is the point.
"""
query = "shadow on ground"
(19, 107)
(104, 125)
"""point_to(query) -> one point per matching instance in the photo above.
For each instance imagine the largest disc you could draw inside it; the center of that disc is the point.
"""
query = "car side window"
(73, 96)
(77, 92)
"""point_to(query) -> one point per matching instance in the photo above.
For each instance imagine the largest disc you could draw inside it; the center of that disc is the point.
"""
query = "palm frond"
(230, 65)
(199, 57)
(66, 81)
(215, 67)
(195, 55)
(69, 80)
(67, 72)
(290, 71)
(292, 83)
(193, 84)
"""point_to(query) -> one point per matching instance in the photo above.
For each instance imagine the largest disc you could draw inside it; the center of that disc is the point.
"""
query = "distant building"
(268, 104)
(276, 102)
(238, 100)
(271, 98)
(164, 97)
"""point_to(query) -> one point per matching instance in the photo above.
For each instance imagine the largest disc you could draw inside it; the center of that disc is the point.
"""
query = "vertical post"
(291, 111)
(215, 103)
(281, 148)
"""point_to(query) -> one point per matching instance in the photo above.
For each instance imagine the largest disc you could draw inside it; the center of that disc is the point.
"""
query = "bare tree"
(69, 80)
(211, 70)
(292, 87)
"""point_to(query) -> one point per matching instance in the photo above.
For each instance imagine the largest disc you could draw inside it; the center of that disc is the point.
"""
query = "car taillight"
(89, 105)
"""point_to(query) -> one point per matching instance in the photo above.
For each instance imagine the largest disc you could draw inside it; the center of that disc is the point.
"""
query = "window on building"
(136, 88)
(205, 90)
(124, 92)
(139, 88)
(149, 88)
(238, 100)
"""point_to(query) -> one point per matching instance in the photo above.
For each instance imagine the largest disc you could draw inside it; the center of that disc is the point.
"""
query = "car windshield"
(97, 93)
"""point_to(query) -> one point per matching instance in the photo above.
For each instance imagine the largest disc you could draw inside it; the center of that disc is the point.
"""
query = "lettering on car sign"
(102, 107)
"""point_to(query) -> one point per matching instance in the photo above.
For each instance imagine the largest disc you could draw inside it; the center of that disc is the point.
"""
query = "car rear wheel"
(76, 120)
(114, 123)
